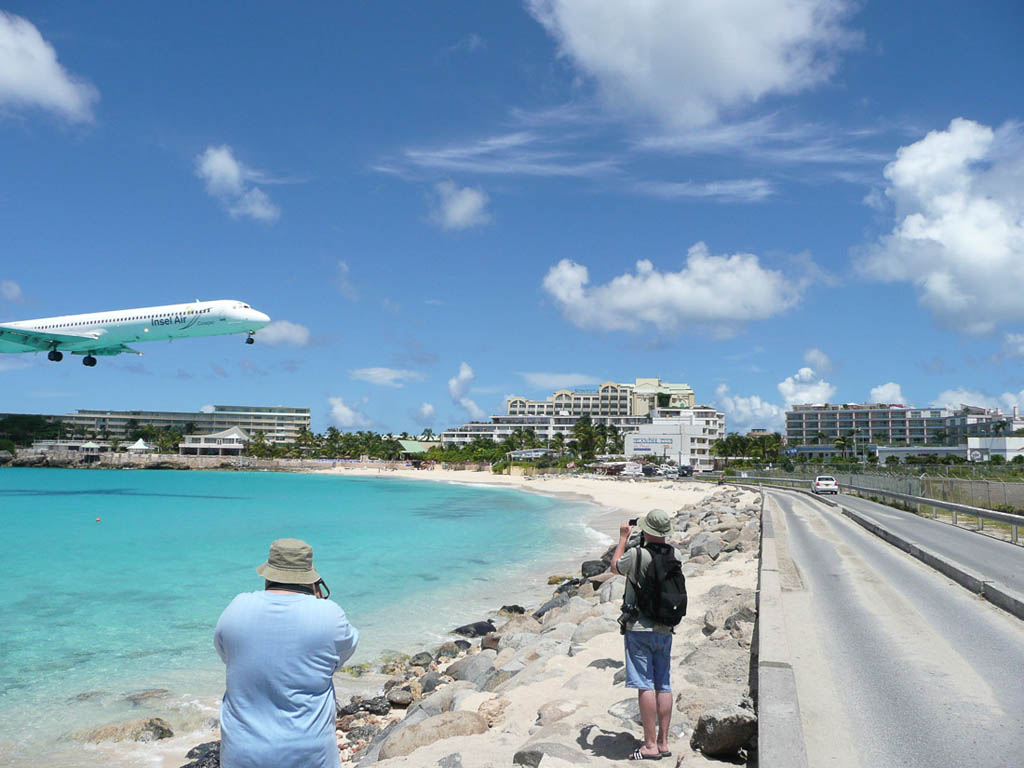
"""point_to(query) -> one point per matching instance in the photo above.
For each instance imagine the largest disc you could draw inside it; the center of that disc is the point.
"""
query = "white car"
(825, 484)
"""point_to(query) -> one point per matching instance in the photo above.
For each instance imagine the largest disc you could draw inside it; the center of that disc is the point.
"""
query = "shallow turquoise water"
(94, 610)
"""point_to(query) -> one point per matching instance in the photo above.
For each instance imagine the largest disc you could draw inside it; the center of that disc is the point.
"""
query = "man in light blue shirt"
(282, 647)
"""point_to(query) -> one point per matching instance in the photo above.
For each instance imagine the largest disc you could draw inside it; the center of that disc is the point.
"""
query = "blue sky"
(445, 204)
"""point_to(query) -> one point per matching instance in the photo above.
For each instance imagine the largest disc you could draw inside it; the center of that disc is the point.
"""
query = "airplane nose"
(261, 317)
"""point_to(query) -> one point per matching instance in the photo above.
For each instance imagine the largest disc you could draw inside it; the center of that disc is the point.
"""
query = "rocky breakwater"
(545, 686)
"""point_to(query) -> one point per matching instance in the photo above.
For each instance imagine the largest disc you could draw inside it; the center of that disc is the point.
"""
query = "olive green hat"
(656, 523)
(290, 562)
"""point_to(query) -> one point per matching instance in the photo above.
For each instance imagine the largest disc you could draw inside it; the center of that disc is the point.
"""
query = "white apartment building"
(278, 424)
(545, 427)
(682, 435)
(609, 400)
(889, 424)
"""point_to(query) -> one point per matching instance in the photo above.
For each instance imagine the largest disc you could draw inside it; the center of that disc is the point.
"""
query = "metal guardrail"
(1014, 521)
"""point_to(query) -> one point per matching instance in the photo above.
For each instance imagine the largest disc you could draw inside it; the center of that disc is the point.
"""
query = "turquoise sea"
(95, 611)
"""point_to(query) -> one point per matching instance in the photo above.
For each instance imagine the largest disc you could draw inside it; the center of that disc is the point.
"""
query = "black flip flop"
(639, 755)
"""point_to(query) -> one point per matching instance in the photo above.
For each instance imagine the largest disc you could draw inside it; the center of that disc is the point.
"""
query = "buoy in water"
(97, 519)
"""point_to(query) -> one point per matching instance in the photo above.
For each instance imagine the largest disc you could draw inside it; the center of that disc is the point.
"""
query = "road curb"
(780, 733)
(993, 591)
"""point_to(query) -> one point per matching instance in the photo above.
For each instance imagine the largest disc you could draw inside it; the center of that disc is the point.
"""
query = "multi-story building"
(607, 401)
(544, 427)
(278, 424)
(682, 435)
(892, 424)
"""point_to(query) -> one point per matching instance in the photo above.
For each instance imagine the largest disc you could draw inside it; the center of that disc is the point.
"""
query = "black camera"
(634, 521)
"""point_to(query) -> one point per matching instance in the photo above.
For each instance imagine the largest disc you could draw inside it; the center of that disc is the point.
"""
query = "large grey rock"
(531, 755)
(555, 602)
(705, 544)
(516, 640)
(557, 709)
(542, 650)
(142, 729)
(724, 732)
(563, 630)
(430, 682)
(627, 710)
(503, 674)
(206, 755)
(612, 590)
(591, 568)
(728, 605)
(573, 611)
(421, 659)
(440, 700)
(453, 760)
(592, 627)
(520, 624)
(425, 732)
(476, 668)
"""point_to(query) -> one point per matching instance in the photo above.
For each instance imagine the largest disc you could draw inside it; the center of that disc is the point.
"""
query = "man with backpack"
(653, 604)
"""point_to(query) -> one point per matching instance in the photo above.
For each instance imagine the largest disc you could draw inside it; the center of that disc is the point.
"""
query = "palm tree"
(820, 437)
(428, 433)
(558, 443)
(842, 443)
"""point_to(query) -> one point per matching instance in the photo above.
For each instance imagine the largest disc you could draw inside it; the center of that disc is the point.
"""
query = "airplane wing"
(42, 340)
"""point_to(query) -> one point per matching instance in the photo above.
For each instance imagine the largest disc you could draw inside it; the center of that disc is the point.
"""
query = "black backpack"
(661, 596)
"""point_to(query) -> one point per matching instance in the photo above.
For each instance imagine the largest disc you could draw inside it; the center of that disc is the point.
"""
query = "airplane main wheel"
(250, 340)
(55, 356)
(89, 361)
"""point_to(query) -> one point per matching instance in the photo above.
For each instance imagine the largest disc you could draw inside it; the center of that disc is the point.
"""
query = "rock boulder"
(425, 732)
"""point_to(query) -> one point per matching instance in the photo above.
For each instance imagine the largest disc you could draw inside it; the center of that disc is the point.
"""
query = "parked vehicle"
(825, 484)
(686, 471)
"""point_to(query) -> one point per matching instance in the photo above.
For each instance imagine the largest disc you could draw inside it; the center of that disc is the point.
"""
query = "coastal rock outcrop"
(443, 726)
(724, 732)
(476, 629)
(142, 729)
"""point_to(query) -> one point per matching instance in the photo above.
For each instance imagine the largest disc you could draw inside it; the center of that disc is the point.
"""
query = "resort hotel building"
(277, 423)
(663, 412)
(896, 429)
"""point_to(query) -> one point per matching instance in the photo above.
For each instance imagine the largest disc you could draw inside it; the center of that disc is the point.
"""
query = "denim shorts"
(648, 658)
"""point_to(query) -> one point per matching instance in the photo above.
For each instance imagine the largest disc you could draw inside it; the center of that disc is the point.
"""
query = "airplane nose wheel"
(55, 356)
(249, 339)
(89, 361)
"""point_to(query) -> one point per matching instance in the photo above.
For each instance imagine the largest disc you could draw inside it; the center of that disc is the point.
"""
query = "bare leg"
(649, 715)
(664, 718)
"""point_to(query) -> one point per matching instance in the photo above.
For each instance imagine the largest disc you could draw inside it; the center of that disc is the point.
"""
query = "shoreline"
(612, 501)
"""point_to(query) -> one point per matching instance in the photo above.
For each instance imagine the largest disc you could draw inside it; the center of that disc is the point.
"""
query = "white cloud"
(344, 416)
(230, 182)
(954, 398)
(469, 44)
(720, 293)
(559, 380)
(460, 208)
(31, 76)
(1013, 344)
(745, 413)
(387, 377)
(345, 286)
(282, 333)
(424, 415)
(685, 63)
(10, 290)
(890, 392)
(805, 386)
(959, 225)
(732, 191)
(818, 360)
(207, 409)
(523, 153)
(458, 386)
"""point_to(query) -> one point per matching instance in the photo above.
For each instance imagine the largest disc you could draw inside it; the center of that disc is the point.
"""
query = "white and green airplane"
(109, 333)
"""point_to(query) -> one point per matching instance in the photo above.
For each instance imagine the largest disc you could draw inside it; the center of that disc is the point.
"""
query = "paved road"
(896, 665)
(1001, 561)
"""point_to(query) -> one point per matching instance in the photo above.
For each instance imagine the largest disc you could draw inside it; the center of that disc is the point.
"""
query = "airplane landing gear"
(55, 356)
(249, 339)
(89, 361)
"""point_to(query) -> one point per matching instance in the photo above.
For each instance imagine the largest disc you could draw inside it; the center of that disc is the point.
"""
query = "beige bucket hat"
(656, 523)
(290, 562)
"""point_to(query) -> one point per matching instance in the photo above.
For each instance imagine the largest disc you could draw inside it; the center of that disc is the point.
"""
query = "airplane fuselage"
(106, 333)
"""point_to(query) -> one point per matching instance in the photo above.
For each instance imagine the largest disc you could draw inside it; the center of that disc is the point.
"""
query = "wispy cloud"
(284, 333)
(559, 380)
(460, 207)
(524, 153)
(10, 291)
(231, 182)
(730, 191)
(387, 377)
